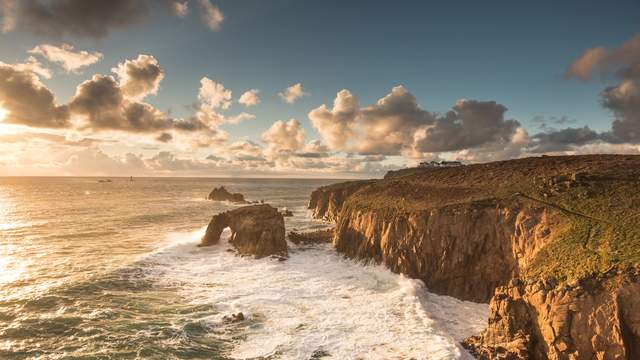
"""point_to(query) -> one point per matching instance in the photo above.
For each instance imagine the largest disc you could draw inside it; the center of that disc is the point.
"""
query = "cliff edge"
(502, 231)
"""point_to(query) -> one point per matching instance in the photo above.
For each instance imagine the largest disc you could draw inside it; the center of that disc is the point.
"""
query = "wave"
(314, 305)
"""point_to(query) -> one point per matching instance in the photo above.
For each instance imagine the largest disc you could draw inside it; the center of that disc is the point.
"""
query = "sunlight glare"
(3, 114)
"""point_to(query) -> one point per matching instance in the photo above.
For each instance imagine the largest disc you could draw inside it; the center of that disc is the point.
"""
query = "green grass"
(601, 215)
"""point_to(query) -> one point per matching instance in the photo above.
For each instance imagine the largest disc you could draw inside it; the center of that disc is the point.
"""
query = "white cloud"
(213, 95)
(180, 8)
(250, 98)
(211, 15)
(65, 55)
(284, 137)
(32, 65)
(292, 93)
(336, 126)
(139, 77)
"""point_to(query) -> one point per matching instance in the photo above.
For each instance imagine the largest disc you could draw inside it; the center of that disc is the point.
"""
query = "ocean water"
(93, 270)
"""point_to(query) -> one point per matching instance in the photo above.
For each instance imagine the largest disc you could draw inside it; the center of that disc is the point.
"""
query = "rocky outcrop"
(256, 230)
(311, 237)
(464, 251)
(326, 202)
(222, 194)
(564, 225)
(596, 317)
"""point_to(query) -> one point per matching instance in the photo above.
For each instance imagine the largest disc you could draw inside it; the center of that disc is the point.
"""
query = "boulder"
(256, 230)
(222, 194)
(311, 237)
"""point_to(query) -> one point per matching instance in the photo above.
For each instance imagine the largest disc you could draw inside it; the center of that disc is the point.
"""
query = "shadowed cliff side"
(327, 201)
(469, 230)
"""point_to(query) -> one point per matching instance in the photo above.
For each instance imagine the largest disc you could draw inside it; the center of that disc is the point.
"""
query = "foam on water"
(316, 304)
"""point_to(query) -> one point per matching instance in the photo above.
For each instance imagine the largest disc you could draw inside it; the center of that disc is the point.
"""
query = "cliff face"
(558, 223)
(464, 251)
(596, 317)
(326, 202)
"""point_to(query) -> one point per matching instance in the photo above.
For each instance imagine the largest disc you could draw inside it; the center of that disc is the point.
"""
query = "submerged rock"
(255, 230)
(222, 194)
(234, 318)
(286, 212)
(311, 237)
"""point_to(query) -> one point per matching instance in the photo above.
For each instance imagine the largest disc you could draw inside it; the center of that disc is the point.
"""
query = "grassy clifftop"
(598, 195)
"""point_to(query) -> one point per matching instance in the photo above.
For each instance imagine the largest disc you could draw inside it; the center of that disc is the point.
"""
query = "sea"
(112, 270)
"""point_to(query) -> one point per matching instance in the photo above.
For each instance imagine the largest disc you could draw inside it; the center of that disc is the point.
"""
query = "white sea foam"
(318, 302)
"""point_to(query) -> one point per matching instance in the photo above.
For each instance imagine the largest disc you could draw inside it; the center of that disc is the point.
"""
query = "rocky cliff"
(326, 201)
(256, 230)
(481, 232)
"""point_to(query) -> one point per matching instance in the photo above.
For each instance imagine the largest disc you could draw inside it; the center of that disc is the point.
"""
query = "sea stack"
(256, 230)
(222, 194)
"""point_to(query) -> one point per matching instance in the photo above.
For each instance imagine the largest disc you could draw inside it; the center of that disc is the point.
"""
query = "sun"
(3, 114)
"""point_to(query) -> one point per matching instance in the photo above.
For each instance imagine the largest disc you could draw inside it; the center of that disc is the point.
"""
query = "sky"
(297, 88)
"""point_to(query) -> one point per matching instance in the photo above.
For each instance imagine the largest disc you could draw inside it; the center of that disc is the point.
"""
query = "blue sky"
(515, 53)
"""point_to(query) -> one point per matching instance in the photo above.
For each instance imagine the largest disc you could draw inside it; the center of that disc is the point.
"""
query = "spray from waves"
(316, 304)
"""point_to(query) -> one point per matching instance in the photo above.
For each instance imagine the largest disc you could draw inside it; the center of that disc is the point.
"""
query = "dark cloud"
(103, 106)
(563, 140)
(623, 100)
(470, 124)
(28, 101)
(87, 18)
(101, 102)
(164, 137)
(600, 60)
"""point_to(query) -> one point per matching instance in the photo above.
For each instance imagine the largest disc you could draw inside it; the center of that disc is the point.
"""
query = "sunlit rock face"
(256, 230)
(551, 243)
(326, 202)
(595, 317)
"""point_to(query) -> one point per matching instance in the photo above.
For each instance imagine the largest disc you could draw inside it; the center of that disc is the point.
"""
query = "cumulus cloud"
(211, 15)
(284, 137)
(32, 65)
(292, 93)
(397, 125)
(246, 150)
(66, 56)
(78, 17)
(180, 8)
(600, 60)
(563, 140)
(213, 95)
(250, 98)
(27, 101)
(103, 104)
(470, 124)
(336, 126)
(623, 100)
(139, 77)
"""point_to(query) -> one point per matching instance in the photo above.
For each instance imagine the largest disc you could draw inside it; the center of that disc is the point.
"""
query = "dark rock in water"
(255, 230)
(311, 237)
(222, 194)
(234, 318)
(286, 212)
